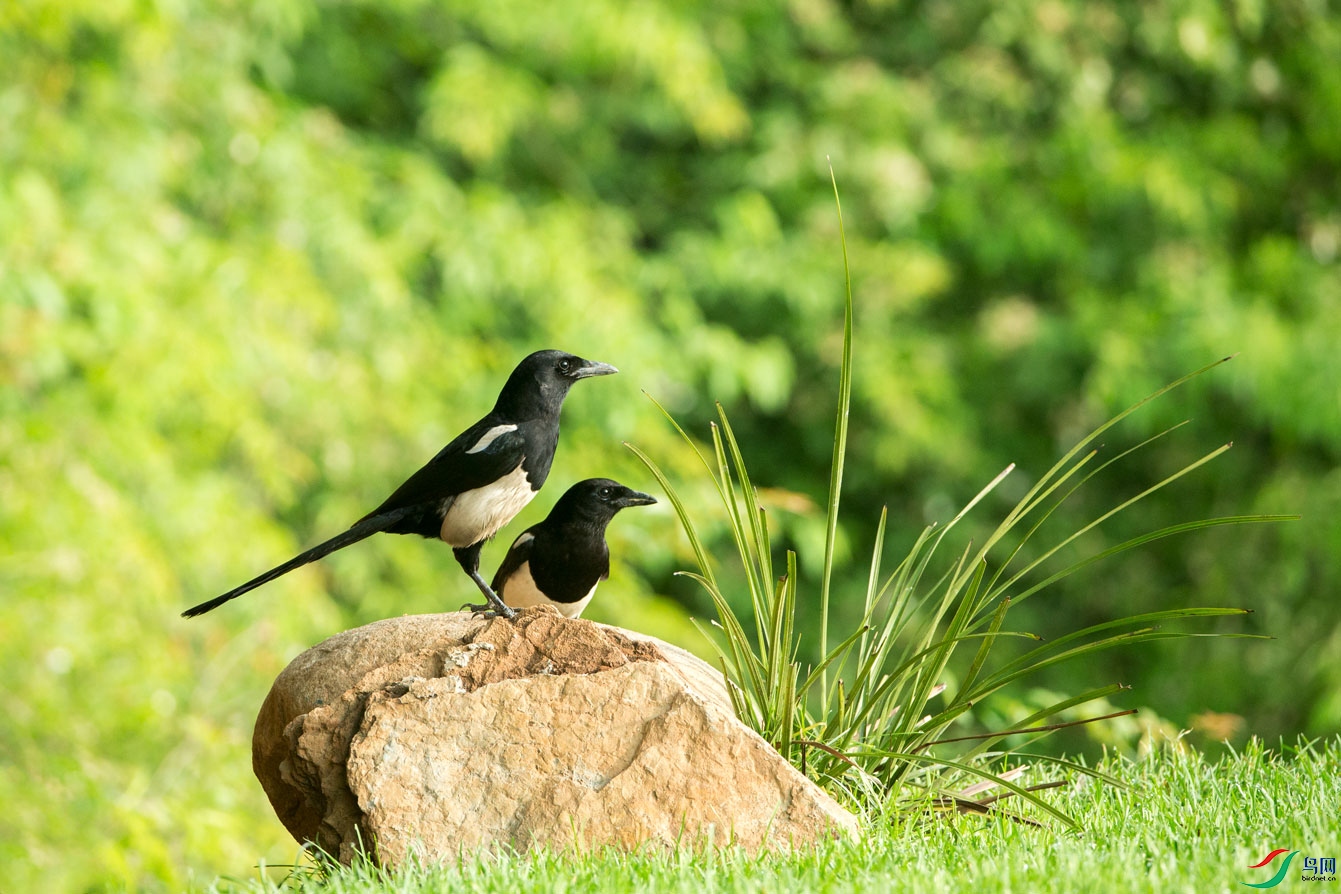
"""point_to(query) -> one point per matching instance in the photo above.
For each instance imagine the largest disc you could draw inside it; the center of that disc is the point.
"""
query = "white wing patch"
(478, 514)
(520, 591)
(490, 436)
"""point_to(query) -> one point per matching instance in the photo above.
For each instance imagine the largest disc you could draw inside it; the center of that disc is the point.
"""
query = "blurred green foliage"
(259, 260)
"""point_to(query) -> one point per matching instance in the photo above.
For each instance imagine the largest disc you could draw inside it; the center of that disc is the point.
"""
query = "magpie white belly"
(477, 514)
(520, 591)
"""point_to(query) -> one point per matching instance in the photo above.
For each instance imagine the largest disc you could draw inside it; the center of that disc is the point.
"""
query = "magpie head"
(541, 382)
(599, 499)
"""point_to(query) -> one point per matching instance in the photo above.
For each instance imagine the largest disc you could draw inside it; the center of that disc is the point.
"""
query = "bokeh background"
(260, 259)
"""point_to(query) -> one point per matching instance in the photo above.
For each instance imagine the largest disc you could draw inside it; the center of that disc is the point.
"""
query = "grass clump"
(885, 709)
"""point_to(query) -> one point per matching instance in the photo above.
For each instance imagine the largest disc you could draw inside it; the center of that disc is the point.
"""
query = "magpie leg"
(469, 558)
(495, 607)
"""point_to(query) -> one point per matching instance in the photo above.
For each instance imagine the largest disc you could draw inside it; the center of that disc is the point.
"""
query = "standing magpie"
(561, 560)
(477, 483)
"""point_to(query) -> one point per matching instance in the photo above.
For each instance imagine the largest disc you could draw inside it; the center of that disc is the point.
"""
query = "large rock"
(447, 733)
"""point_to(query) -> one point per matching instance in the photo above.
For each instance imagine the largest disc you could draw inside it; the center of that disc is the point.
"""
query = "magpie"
(561, 560)
(476, 484)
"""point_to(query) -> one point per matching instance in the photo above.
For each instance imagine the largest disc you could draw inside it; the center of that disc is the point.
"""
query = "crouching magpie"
(561, 560)
(477, 483)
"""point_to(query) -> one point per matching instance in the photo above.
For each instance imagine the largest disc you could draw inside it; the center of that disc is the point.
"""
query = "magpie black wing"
(518, 555)
(480, 455)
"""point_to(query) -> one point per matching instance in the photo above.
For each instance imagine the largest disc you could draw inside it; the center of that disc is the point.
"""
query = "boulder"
(438, 735)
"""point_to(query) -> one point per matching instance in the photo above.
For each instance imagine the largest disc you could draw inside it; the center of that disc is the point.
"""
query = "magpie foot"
(488, 611)
(494, 607)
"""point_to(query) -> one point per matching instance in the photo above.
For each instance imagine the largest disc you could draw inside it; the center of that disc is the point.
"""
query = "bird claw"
(494, 607)
(490, 611)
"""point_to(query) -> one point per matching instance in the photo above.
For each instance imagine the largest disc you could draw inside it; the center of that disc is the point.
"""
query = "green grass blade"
(984, 649)
(996, 779)
(1131, 501)
(1072, 766)
(1150, 537)
(695, 542)
(759, 540)
(1042, 714)
(1156, 617)
(1084, 442)
(839, 443)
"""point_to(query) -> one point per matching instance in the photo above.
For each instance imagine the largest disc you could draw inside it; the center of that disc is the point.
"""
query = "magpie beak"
(594, 369)
(635, 498)
(477, 483)
(562, 560)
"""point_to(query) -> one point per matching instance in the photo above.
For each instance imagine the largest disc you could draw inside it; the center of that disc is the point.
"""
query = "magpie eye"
(605, 492)
(565, 366)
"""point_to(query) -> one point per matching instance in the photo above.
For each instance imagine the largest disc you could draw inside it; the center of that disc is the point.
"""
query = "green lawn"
(1184, 823)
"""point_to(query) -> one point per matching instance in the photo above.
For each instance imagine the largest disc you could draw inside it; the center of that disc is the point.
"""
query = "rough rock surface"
(448, 733)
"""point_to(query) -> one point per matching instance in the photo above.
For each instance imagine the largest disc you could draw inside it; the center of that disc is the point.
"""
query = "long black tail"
(361, 530)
